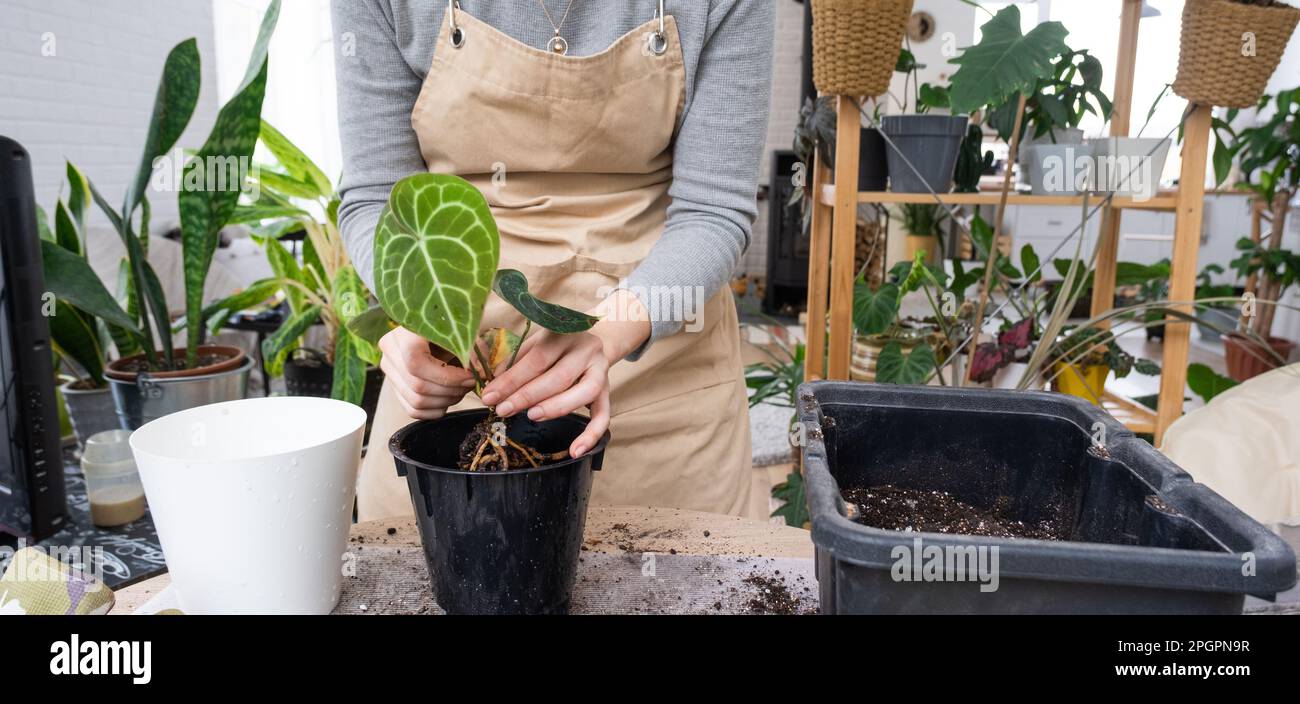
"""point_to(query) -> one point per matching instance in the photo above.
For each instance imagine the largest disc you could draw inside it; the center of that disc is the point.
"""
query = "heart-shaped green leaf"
(436, 251)
(513, 287)
(874, 312)
(894, 368)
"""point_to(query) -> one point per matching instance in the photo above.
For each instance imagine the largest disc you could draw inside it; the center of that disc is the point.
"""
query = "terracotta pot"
(1246, 358)
(118, 369)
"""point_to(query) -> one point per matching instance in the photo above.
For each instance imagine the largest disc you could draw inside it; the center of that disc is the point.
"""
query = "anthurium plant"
(142, 321)
(436, 254)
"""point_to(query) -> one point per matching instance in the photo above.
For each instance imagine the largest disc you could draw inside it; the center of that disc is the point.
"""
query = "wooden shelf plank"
(1132, 414)
(1165, 200)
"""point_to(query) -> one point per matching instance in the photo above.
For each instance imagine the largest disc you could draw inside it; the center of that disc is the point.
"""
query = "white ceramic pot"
(252, 500)
(1009, 376)
(1129, 166)
(1059, 169)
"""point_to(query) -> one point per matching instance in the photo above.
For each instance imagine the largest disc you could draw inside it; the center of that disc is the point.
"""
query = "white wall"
(300, 96)
(77, 82)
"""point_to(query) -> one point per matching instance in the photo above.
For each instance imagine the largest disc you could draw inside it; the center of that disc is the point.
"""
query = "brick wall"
(77, 82)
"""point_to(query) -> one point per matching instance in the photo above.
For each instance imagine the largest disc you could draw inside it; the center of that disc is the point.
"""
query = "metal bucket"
(149, 398)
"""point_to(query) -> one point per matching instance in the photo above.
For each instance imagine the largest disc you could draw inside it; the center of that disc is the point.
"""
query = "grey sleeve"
(715, 173)
(376, 91)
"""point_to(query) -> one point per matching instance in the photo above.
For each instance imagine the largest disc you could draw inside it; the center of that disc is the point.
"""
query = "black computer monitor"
(33, 501)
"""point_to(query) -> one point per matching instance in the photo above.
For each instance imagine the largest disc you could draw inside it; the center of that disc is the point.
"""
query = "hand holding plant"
(436, 254)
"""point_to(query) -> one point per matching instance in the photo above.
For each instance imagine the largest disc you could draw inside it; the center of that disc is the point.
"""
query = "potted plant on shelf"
(1084, 359)
(1212, 317)
(891, 349)
(1214, 67)
(296, 196)
(500, 504)
(160, 379)
(923, 223)
(1251, 353)
(1053, 156)
(926, 145)
(1268, 155)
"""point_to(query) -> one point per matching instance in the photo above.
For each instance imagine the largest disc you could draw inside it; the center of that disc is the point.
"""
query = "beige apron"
(574, 154)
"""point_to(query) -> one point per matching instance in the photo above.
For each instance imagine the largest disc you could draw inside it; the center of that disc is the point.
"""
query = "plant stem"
(528, 325)
(997, 224)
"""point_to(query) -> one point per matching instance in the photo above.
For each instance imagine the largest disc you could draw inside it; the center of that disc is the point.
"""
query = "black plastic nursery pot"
(498, 542)
(1143, 537)
(309, 374)
(873, 164)
(930, 143)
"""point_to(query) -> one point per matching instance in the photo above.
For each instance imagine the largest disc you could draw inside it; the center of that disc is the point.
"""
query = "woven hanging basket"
(856, 44)
(1229, 50)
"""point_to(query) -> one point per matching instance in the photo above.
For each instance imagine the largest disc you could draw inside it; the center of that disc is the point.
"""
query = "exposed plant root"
(479, 452)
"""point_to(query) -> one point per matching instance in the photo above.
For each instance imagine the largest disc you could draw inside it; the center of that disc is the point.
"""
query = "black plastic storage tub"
(1143, 536)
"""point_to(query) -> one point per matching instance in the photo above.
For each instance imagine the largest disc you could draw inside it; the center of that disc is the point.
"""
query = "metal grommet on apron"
(658, 41)
(455, 35)
(575, 156)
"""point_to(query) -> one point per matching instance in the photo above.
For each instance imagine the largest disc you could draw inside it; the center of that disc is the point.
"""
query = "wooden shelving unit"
(834, 218)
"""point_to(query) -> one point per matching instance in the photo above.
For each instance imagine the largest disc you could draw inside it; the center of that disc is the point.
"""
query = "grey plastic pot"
(929, 143)
(1218, 317)
(89, 411)
(149, 398)
(1129, 166)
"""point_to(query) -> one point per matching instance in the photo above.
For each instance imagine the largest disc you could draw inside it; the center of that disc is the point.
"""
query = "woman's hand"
(555, 375)
(426, 386)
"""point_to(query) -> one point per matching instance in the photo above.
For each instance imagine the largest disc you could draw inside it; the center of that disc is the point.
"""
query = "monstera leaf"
(1004, 62)
(436, 251)
(513, 287)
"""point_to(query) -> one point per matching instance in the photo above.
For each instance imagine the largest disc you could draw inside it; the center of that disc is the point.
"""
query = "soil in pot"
(488, 447)
(891, 507)
(211, 360)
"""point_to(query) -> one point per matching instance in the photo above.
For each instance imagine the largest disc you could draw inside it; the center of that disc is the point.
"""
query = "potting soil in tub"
(912, 510)
(1085, 517)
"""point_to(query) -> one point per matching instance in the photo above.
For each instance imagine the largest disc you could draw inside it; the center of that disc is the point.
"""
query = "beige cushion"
(1245, 445)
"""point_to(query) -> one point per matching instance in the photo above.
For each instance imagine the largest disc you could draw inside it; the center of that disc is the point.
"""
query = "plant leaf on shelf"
(874, 312)
(436, 252)
(1004, 62)
(512, 286)
(892, 367)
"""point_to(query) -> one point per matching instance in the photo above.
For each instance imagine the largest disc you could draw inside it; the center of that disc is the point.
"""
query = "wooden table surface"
(608, 529)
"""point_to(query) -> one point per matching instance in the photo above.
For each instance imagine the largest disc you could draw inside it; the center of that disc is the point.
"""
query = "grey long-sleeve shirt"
(383, 50)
